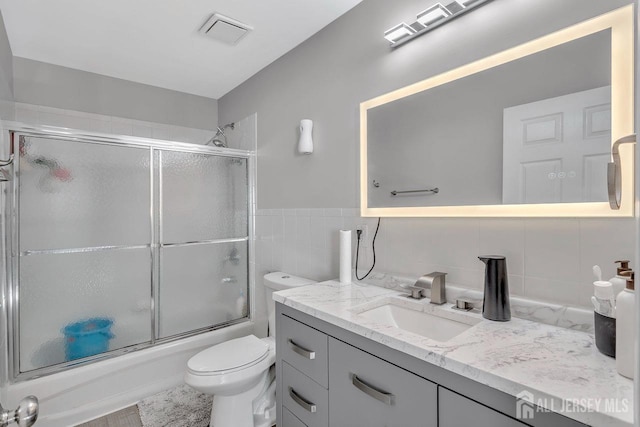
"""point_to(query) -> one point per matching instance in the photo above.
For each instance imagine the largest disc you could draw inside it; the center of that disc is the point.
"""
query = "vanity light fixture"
(433, 14)
(430, 18)
(399, 32)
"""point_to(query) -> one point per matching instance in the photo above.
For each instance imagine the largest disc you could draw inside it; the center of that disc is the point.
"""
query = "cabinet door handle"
(302, 351)
(386, 398)
(306, 405)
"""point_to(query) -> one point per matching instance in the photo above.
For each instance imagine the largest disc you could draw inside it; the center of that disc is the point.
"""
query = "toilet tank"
(278, 281)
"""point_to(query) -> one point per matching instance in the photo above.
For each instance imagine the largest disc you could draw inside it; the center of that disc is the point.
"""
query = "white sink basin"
(426, 324)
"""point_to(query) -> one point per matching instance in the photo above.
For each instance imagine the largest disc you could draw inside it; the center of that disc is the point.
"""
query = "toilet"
(240, 373)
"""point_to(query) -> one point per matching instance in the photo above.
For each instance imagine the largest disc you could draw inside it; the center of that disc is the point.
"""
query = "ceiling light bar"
(429, 19)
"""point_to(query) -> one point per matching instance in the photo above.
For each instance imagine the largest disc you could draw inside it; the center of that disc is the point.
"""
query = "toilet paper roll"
(345, 256)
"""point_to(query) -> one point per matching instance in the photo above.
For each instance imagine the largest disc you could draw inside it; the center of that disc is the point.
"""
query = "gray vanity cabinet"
(304, 398)
(302, 372)
(330, 377)
(366, 391)
(290, 420)
(455, 410)
(305, 349)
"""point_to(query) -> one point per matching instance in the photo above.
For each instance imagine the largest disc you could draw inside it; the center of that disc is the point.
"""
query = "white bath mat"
(178, 407)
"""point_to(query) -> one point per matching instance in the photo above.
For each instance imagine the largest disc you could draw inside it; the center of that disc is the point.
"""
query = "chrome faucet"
(436, 282)
(415, 292)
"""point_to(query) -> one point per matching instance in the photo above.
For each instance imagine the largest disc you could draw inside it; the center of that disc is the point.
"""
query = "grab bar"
(435, 190)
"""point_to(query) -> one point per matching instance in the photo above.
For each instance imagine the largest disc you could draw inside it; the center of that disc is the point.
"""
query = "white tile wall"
(41, 115)
(302, 242)
(244, 135)
(548, 259)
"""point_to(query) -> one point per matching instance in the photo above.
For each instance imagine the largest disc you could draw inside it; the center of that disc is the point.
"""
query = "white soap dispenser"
(625, 327)
(619, 281)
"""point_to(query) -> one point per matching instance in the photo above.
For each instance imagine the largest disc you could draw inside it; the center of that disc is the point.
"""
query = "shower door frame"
(11, 259)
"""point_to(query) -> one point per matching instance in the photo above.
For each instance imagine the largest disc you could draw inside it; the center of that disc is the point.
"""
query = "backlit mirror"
(526, 132)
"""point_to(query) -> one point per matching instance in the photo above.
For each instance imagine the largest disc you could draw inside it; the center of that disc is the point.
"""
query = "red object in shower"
(62, 174)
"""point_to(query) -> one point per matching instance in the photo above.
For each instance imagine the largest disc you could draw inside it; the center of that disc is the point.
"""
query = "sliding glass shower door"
(203, 241)
(116, 246)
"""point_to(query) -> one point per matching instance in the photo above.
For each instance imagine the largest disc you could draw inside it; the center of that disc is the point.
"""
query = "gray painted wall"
(327, 77)
(6, 64)
(55, 86)
(6, 75)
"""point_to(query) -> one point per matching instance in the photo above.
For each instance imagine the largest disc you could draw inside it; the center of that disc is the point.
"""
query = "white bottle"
(619, 281)
(603, 298)
(625, 328)
(241, 304)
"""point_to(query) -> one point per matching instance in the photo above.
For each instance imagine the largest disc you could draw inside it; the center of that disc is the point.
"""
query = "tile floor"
(178, 407)
(127, 417)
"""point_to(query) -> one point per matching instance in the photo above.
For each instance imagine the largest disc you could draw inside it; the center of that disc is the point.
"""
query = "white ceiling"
(156, 42)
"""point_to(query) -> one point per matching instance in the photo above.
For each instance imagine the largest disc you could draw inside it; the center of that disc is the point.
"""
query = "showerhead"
(220, 139)
(218, 142)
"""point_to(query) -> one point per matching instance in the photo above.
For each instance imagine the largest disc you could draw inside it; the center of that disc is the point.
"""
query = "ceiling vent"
(225, 29)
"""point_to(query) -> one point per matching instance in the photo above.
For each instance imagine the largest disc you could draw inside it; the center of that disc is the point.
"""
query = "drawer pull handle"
(302, 351)
(386, 398)
(306, 405)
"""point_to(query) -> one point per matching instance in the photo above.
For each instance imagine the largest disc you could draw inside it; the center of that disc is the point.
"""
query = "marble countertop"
(560, 367)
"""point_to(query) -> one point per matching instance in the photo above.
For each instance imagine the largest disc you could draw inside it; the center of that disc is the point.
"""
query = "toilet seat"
(230, 356)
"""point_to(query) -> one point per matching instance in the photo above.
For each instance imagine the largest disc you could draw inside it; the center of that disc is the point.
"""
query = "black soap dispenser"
(496, 289)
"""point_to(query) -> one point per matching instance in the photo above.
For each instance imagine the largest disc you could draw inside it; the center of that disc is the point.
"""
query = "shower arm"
(220, 129)
(231, 125)
(220, 132)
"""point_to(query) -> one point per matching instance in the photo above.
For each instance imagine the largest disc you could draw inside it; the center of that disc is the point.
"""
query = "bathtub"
(84, 393)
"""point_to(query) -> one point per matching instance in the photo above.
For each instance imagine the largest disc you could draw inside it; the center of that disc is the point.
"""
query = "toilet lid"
(228, 355)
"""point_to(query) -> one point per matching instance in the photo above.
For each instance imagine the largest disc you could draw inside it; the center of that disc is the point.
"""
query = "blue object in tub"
(87, 338)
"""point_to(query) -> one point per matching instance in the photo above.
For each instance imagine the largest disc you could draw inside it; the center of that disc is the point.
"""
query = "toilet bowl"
(240, 373)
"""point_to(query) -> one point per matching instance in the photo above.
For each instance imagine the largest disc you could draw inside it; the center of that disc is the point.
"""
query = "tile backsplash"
(548, 259)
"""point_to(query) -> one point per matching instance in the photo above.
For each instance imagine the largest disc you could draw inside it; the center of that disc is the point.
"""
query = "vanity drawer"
(290, 420)
(456, 410)
(367, 391)
(304, 348)
(307, 400)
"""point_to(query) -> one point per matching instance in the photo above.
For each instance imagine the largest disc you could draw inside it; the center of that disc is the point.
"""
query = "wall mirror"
(526, 132)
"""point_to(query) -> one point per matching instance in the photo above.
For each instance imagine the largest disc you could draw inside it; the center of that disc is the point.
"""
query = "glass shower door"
(203, 241)
(118, 245)
(82, 261)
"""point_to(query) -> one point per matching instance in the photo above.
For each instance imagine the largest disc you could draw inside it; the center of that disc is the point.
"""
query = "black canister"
(605, 332)
(495, 305)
